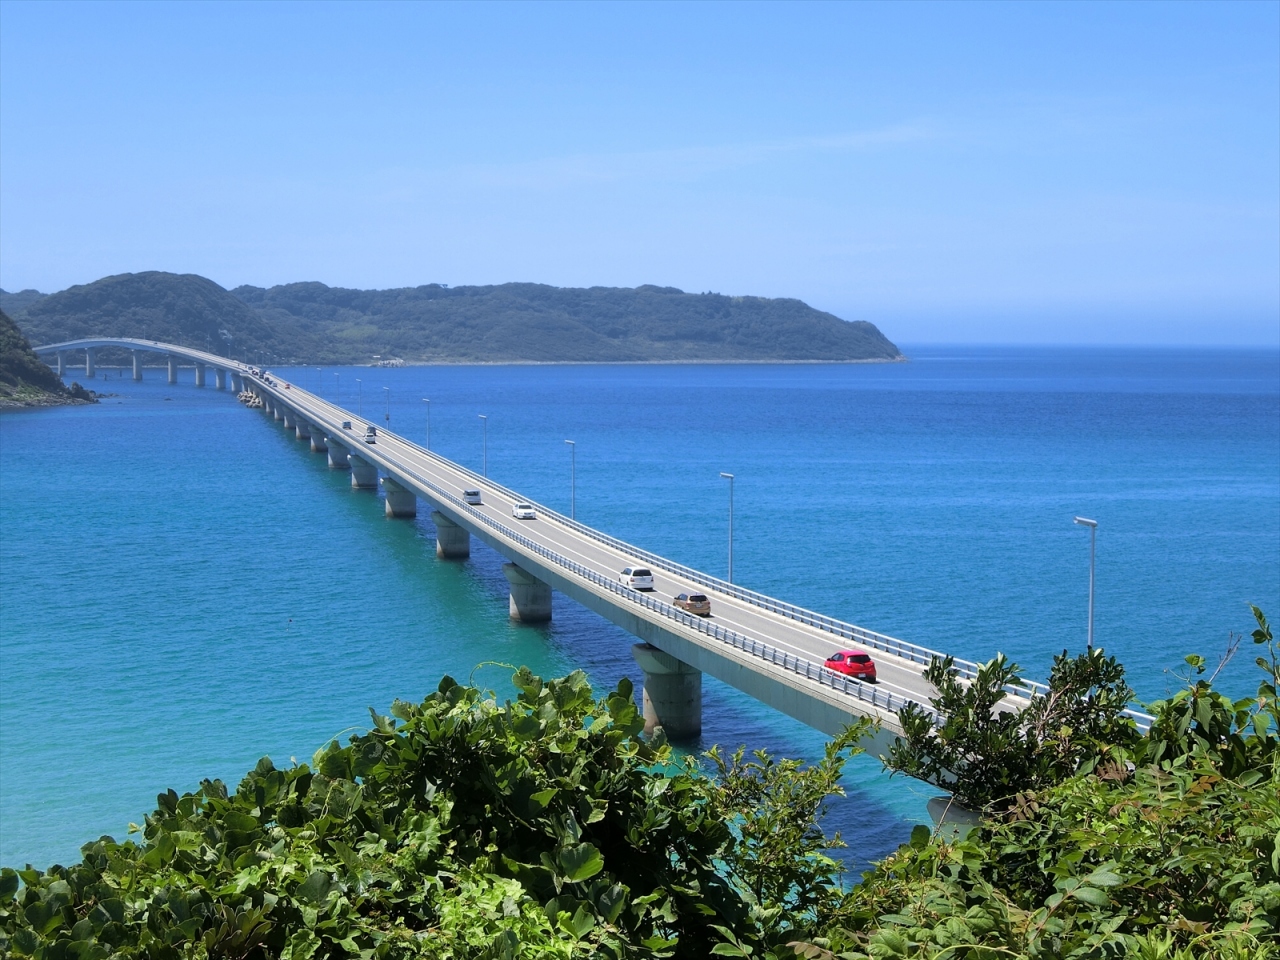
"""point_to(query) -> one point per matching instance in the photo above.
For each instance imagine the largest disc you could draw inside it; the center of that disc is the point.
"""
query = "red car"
(852, 663)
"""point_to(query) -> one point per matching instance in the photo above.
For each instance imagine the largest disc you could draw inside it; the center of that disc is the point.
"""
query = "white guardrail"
(902, 649)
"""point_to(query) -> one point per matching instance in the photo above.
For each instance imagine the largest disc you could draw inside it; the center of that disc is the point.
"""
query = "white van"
(472, 497)
(371, 434)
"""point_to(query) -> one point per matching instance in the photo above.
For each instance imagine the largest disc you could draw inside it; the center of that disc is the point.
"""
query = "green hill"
(513, 322)
(25, 380)
(175, 308)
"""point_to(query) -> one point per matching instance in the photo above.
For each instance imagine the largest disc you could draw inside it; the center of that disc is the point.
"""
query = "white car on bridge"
(637, 578)
(523, 511)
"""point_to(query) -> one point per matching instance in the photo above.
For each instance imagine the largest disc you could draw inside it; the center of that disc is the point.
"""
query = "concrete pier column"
(173, 369)
(401, 503)
(219, 378)
(288, 416)
(277, 409)
(318, 444)
(62, 363)
(200, 374)
(452, 541)
(90, 363)
(337, 455)
(301, 429)
(530, 597)
(137, 364)
(672, 693)
(364, 475)
(237, 383)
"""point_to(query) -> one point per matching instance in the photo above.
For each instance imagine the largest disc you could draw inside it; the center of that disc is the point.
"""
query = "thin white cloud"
(679, 163)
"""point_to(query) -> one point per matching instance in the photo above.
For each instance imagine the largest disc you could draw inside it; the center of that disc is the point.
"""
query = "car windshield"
(642, 573)
(836, 658)
(860, 658)
(698, 598)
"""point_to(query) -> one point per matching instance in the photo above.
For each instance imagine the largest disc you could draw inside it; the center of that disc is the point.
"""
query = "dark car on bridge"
(852, 663)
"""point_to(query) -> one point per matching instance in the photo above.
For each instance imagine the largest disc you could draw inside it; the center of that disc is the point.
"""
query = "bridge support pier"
(277, 409)
(289, 417)
(219, 378)
(672, 693)
(200, 374)
(364, 475)
(62, 363)
(90, 363)
(530, 597)
(318, 444)
(173, 369)
(237, 384)
(301, 429)
(137, 364)
(452, 541)
(401, 503)
(337, 455)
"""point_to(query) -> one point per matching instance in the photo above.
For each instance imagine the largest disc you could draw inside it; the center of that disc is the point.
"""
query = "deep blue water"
(184, 587)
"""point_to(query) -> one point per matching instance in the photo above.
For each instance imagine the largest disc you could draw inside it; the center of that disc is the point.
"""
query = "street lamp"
(428, 403)
(573, 479)
(387, 392)
(359, 396)
(337, 388)
(1093, 535)
(485, 470)
(729, 477)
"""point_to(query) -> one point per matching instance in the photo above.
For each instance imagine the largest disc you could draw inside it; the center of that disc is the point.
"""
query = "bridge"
(769, 649)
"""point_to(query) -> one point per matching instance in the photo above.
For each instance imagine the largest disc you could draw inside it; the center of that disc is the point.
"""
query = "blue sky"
(1079, 173)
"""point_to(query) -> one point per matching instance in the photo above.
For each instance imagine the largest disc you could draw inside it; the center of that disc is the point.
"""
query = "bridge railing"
(867, 693)
(912, 652)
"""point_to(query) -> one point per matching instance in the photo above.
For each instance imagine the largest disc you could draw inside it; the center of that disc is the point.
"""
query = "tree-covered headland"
(547, 826)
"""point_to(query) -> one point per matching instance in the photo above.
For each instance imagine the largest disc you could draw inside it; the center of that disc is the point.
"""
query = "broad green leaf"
(581, 862)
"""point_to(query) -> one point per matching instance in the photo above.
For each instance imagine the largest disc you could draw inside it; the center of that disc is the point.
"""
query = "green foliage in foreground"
(543, 827)
(547, 828)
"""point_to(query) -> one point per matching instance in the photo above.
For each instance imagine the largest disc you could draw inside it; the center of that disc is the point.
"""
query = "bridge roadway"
(771, 650)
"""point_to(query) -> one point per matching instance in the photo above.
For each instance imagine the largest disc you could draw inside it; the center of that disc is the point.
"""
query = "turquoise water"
(184, 587)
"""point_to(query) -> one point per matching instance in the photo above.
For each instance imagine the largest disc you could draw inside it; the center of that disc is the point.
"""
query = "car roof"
(851, 653)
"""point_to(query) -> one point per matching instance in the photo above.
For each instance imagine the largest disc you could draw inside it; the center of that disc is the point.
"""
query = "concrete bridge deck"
(767, 648)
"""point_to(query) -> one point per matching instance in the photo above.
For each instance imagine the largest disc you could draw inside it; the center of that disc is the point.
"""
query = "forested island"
(26, 380)
(545, 825)
(310, 323)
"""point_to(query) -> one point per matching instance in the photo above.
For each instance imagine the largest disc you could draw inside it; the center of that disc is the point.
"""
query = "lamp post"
(337, 388)
(319, 381)
(359, 396)
(387, 392)
(729, 477)
(485, 448)
(428, 403)
(1093, 534)
(573, 479)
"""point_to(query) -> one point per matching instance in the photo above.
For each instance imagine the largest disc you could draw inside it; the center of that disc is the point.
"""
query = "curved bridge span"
(765, 647)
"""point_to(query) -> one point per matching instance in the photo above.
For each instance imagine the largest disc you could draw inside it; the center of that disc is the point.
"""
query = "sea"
(185, 587)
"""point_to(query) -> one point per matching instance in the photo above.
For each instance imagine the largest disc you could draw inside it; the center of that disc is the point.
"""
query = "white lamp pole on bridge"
(1093, 534)
(573, 479)
(387, 391)
(428, 403)
(485, 445)
(319, 381)
(729, 477)
(359, 396)
(337, 388)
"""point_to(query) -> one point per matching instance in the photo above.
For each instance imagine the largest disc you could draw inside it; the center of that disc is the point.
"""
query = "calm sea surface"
(184, 587)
